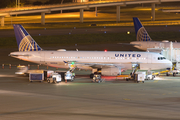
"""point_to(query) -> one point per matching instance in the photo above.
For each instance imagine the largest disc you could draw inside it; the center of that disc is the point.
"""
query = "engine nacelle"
(113, 71)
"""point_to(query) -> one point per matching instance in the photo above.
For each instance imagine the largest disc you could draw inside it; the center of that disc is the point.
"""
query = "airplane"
(109, 62)
(144, 41)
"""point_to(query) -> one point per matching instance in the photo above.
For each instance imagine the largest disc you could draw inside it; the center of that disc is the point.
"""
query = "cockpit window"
(161, 58)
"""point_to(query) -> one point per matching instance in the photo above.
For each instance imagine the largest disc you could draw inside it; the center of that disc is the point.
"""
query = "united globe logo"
(28, 44)
(142, 35)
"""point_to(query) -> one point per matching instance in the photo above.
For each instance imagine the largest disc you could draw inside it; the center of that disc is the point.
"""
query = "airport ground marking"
(100, 94)
(126, 99)
(127, 94)
(154, 94)
(141, 94)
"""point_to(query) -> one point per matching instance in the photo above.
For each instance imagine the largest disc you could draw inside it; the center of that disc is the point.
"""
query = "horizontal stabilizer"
(129, 44)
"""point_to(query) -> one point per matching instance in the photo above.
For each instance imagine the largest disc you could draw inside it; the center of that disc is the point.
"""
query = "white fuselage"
(88, 59)
(143, 45)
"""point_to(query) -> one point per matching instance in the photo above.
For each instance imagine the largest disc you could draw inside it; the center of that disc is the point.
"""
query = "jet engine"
(112, 71)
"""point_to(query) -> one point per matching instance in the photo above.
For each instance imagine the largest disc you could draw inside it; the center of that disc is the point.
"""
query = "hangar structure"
(82, 6)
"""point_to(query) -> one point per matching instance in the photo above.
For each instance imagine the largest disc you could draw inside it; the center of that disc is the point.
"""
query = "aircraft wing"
(100, 65)
(84, 65)
(157, 50)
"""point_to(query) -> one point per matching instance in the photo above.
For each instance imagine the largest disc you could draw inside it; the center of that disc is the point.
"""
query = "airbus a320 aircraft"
(144, 41)
(110, 62)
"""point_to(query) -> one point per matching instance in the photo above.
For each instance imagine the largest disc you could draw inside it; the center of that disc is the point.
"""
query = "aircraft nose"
(169, 65)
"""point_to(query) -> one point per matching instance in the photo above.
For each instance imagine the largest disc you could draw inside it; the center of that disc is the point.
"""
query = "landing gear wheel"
(153, 77)
(174, 74)
(167, 74)
(91, 75)
(72, 79)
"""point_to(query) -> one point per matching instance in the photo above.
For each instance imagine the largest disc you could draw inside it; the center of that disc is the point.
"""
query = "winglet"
(141, 33)
(24, 41)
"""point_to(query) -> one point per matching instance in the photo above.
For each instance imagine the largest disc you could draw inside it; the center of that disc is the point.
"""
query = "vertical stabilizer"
(141, 33)
(24, 41)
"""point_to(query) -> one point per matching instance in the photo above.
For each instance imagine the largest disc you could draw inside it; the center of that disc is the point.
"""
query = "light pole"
(61, 4)
(16, 3)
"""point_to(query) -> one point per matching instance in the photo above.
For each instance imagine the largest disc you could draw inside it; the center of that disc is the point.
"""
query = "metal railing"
(73, 4)
(152, 23)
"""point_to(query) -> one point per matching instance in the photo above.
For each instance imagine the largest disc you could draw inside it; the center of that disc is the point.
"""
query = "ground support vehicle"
(173, 72)
(62, 73)
(55, 78)
(69, 76)
(140, 77)
(23, 70)
(150, 77)
(97, 78)
(36, 77)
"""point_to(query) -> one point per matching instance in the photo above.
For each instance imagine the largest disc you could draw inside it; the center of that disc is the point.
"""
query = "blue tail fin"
(24, 41)
(141, 33)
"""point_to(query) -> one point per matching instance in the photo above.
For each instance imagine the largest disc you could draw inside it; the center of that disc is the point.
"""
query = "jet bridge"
(172, 54)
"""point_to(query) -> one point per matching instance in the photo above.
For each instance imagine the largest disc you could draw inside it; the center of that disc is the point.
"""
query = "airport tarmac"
(113, 99)
(116, 99)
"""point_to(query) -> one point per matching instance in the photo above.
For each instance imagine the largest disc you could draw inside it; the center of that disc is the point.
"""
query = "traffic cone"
(9, 66)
